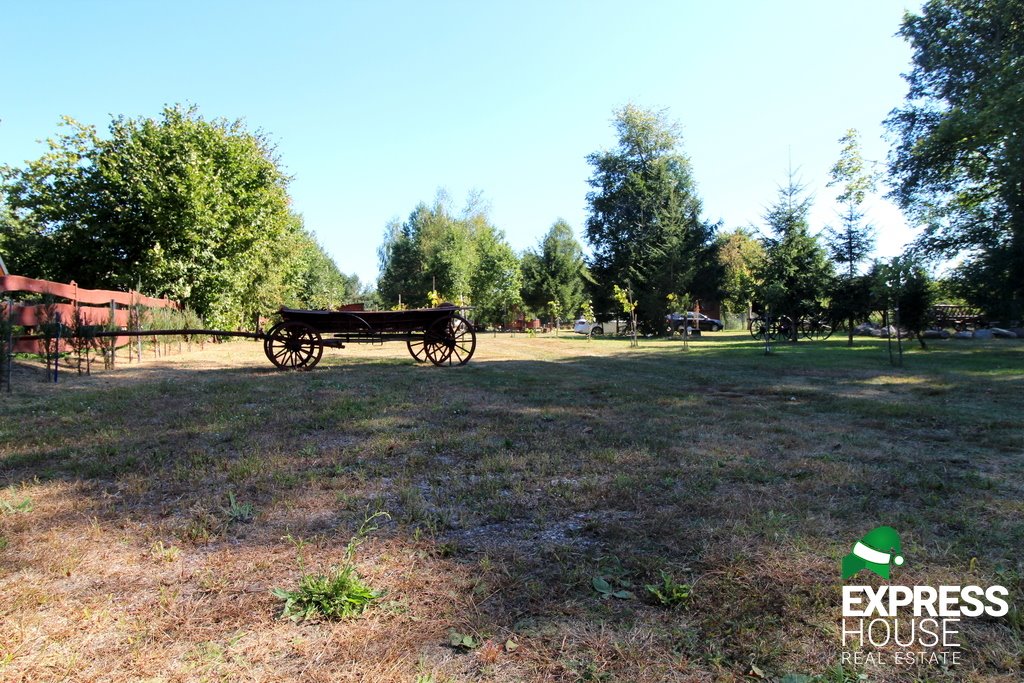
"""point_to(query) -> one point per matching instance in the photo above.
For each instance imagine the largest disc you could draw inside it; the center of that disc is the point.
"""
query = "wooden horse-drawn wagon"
(439, 335)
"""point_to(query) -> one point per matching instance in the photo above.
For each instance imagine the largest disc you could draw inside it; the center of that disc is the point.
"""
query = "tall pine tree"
(795, 274)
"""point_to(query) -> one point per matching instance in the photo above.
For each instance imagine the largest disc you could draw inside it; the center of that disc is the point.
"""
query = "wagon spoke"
(417, 348)
(460, 340)
(293, 345)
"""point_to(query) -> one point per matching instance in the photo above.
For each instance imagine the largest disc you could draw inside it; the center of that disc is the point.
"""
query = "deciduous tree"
(497, 281)
(464, 260)
(739, 256)
(194, 209)
(958, 162)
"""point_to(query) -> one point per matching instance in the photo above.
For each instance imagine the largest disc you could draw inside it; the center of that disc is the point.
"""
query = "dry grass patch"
(147, 514)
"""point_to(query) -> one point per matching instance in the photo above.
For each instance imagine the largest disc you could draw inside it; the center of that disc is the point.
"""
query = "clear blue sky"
(374, 106)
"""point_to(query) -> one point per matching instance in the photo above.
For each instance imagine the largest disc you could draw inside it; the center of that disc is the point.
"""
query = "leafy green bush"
(337, 595)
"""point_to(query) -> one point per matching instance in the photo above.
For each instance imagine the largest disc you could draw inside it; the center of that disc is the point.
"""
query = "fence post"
(56, 350)
(9, 348)
(113, 328)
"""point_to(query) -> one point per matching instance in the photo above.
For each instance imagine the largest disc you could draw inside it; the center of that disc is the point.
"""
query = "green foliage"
(851, 171)
(853, 241)
(958, 164)
(904, 285)
(238, 512)
(461, 260)
(850, 299)
(587, 311)
(677, 303)
(668, 593)
(644, 223)
(180, 206)
(164, 553)
(795, 274)
(917, 297)
(431, 251)
(739, 254)
(10, 508)
(462, 641)
(556, 271)
(628, 304)
(339, 594)
(623, 298)
(497, 281)
(315, 281)
(612, 587)
(554, 311)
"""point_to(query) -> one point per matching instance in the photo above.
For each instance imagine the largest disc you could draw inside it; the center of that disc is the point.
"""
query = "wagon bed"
(440, 335)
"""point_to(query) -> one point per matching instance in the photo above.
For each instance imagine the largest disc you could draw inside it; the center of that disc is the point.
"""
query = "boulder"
(963, 334)
(983, 333)
(935, 334)
(1003, 334)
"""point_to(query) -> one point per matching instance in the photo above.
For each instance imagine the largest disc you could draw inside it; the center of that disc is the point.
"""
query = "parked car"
(613, 326)
(697, 321)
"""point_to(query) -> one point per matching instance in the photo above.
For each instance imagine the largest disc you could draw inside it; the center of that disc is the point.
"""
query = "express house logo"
(904, 625)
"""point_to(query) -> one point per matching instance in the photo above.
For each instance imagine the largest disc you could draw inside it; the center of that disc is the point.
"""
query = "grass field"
(147, 513)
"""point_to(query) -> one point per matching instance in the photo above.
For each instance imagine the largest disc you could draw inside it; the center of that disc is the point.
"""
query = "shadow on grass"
(746, 476)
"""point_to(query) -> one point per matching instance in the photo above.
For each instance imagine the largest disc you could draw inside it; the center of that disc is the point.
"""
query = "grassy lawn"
(147, 513)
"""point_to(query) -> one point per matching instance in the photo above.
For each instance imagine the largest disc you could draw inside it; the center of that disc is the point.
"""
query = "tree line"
(177, 205)
(956, 169)
(198, 210)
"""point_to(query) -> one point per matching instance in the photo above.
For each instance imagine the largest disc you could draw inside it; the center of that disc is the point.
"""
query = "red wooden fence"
(95, 306)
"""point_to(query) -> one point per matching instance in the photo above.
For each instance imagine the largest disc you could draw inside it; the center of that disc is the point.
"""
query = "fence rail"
(87, 307)
(72, 292)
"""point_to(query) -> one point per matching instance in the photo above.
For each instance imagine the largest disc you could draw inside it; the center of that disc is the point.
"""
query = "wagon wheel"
(758, 328)
(778, 330)
(816, 330)
(293, 345)
(450, 341)
(417, 348)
